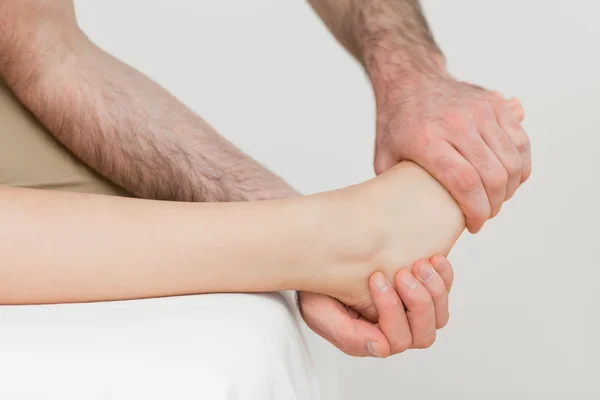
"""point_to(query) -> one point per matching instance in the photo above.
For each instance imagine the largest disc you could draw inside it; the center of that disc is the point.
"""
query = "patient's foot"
(391, 221)
(404, 215)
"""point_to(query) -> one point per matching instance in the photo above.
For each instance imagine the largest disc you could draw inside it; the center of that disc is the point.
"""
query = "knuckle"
(347, 351)
(477, 212)
(346, 345)
(474, 223)
(442, 323)
(514, 123)
(443, 163)
(498, 179)
(426, 341)
(514, 165)
(523, 144)
(402, 345)
(468, 180)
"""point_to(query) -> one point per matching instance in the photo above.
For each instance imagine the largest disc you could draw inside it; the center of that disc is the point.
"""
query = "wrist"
(392, 64)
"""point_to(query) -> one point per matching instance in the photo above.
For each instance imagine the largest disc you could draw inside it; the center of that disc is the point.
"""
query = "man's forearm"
(383, 34)
(130, 129)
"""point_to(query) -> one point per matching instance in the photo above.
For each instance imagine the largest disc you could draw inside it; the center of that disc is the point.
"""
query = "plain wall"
(269, 77)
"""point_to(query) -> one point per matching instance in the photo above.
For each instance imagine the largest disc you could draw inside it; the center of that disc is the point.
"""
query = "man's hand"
(461, 134)
(408, 318)
(466, 137)
(396, 330)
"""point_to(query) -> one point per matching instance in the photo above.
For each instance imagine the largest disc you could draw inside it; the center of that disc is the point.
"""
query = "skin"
(404, 315)
(98, 248)
(140, 137)
(395, 330)
(462, 134)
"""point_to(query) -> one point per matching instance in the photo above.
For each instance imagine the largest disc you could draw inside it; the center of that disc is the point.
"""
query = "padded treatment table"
(217, 347)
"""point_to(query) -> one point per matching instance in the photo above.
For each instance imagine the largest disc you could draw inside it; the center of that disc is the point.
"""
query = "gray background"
(267, 75)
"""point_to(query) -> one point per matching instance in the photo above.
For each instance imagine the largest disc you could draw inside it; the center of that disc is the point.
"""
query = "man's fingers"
(510, 123)
(511, 115)
(436, 287)
(508, 155)
(392, 317)
(514, 105)
(517, 109)
(498, 137)
(461, 179)
(498, 94)
(488, 166)
(349, 333)
(419, 309)
(444, 269)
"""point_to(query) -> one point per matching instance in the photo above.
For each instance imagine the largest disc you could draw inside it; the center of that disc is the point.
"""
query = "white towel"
(217, 347)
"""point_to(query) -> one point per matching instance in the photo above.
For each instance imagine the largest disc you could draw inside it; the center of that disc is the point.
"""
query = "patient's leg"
(202, 346)
(328, 243)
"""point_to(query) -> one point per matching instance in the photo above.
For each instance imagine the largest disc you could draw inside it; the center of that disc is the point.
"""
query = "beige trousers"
(31, 157)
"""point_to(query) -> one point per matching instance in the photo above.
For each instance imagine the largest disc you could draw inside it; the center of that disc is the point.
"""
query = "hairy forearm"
(130, 129)
(383, 34)
(67, 247)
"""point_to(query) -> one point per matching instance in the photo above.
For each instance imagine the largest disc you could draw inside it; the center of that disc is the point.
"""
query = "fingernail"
(426, 272)
(373, 348)
(408, 281)
(381, 283)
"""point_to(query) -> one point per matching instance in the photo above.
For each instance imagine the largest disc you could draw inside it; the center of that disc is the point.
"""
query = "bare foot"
(405, 215)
